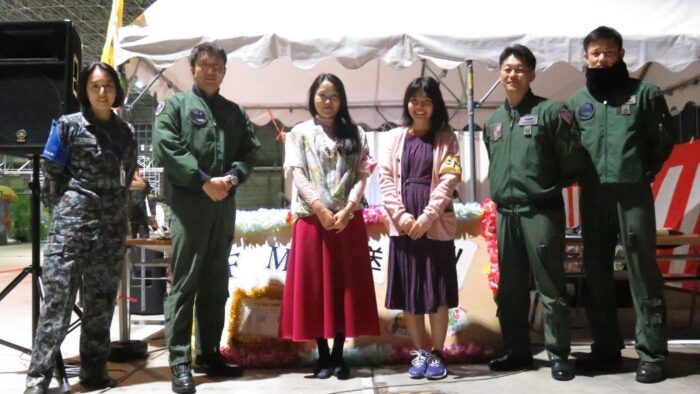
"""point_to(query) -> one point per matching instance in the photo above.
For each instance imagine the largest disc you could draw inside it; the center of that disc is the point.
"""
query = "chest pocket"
(86, 148)
(535, 139)
(199, 131)
(628, 109)
(228, 118)
(528, 125)
(231, 122)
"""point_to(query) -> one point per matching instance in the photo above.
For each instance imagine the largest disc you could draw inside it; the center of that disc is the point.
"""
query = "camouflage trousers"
(86, 256)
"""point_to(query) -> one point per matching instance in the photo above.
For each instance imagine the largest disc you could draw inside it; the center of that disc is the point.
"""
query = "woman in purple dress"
(417, 177)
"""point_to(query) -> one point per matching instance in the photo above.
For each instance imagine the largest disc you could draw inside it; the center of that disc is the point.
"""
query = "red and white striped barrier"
(571, 197)
(677, 200)
(676, 192)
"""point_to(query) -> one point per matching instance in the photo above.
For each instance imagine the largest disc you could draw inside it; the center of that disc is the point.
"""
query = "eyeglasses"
(324, 97)
(211, 66)
(519, 70)
(100, 86)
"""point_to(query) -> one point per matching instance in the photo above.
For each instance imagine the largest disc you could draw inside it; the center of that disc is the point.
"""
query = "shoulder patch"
(54, 151)
(585, 111)
(451, 165)
(159, 108)
(198, 117)
(566, 116)
(495, 132)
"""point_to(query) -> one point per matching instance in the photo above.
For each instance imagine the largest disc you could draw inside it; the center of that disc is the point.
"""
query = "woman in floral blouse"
(328, 291)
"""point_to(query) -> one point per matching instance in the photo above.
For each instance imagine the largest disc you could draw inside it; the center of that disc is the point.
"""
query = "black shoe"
(599, 361)
(181, 378)
(562, 370)
(38, 384)
(340, 369)
(38, 389)
(650, 373)
(215, 366)
(323, 368)
(97, 383)
(511, 362)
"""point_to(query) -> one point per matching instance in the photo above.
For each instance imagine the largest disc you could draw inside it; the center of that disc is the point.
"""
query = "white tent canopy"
(276, 48)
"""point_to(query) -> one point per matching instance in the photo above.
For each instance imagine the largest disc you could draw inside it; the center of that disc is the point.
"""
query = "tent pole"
(136, 100)
(472, 137)
(439, 79)
(493, 87)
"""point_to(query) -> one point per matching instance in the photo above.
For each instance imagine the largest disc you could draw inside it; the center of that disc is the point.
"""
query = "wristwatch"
(233, 179)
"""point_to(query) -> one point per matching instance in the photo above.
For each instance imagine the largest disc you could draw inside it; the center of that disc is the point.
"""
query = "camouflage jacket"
(88, 165)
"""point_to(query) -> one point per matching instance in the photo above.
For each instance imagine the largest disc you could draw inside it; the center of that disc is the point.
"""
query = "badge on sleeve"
(495, 132)
(160, 107)
(585, 111)
(451, 165)
(53, 151)
(198, 117)
(566, 116)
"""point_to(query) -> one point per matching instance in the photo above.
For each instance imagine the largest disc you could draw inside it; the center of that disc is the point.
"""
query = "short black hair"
(521, 52)
(603, 33)
(431, 87)
(345, 127)
(209, 47)
(83, 83)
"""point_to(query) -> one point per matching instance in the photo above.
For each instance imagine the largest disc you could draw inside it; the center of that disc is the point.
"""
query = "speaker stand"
(35, 271)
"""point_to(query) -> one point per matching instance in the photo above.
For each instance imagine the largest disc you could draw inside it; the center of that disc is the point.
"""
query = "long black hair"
(344, 127)
(431, 87)
(83, 83)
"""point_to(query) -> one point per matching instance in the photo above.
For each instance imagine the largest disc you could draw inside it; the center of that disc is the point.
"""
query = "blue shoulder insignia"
(53, 150)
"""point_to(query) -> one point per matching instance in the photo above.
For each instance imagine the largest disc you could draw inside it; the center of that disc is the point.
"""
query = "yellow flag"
(115, 22)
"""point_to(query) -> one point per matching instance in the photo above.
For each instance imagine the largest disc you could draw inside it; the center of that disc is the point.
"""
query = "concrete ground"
(153, 376)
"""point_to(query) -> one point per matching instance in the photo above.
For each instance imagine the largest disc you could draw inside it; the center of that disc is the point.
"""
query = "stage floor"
(153, 376)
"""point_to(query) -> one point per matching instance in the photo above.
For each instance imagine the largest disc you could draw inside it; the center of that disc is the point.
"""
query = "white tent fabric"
(275, 49)
(399, 32)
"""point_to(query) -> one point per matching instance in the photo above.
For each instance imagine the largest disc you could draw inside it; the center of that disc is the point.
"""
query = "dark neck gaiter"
(604, 82)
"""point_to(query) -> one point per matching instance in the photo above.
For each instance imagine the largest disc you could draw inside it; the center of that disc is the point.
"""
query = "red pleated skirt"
(329, 287)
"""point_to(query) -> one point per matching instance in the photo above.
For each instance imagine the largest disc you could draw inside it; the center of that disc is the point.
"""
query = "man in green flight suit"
(206, 147)
(624, 128)
(533, 150)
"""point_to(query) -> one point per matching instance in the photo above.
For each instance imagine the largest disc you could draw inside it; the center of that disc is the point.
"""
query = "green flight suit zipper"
(219, 146)
(510, 153)
(605, 140)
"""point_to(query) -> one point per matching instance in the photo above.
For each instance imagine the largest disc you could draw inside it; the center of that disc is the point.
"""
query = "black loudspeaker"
(39, 68)
(148, 285)
(147, 294)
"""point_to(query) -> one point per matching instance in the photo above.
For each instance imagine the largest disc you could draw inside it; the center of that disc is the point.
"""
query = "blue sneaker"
(418, 364)
(436, 367)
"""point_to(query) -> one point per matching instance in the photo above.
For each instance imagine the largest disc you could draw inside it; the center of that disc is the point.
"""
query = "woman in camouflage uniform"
(89, 161)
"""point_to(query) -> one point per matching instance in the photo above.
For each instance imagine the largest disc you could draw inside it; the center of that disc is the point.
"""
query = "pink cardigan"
(446, 174)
